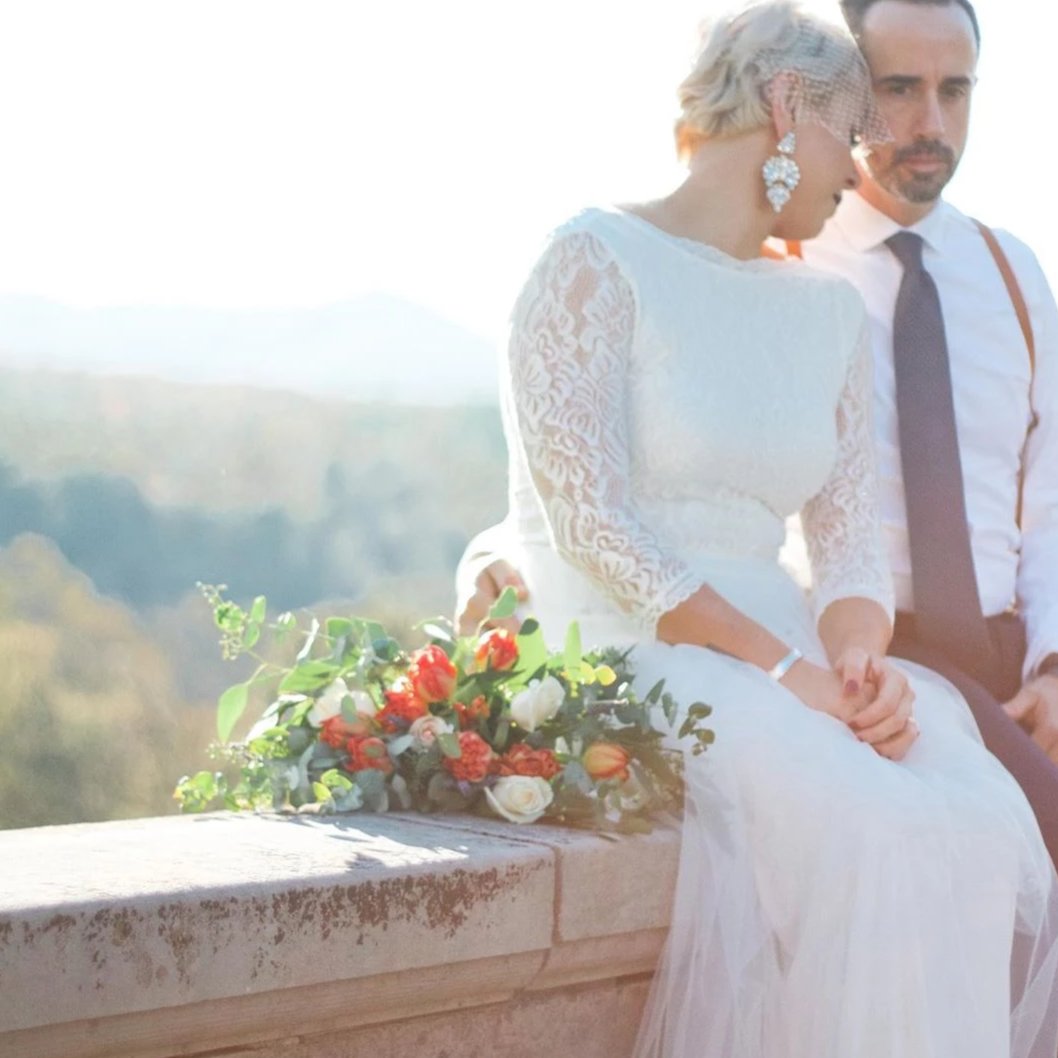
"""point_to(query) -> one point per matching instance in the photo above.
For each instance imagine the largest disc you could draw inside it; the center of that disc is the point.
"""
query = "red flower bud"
(497, 650)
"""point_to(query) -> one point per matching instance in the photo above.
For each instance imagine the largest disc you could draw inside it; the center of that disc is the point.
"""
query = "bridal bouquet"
(494, 723)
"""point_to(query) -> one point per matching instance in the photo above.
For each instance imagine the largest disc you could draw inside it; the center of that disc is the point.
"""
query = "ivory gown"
(667, 407)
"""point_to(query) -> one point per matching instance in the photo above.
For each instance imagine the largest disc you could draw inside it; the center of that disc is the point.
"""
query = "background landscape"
(119, 491)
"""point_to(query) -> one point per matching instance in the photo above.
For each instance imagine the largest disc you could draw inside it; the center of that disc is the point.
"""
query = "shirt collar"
(866, 228)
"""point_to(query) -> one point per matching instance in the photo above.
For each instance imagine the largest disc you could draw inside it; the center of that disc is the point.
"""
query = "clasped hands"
(864, 690)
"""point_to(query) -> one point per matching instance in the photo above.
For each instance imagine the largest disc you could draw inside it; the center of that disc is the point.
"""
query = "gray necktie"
(947, 604)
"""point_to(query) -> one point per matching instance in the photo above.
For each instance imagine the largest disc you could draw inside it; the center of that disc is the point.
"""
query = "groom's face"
(923, 59)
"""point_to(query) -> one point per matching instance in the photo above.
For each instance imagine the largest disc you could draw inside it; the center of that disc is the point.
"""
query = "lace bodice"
(665, 402)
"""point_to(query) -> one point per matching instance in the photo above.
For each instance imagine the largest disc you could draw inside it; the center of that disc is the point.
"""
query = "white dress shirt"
(990, 381)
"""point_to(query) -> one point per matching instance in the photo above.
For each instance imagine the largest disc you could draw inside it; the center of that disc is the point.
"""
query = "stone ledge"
(184, 936)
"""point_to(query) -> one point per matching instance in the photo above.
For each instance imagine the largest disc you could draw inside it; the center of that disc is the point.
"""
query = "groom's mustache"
(923, 150)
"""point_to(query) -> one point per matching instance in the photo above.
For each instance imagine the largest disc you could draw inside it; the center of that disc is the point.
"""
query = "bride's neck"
(720, 202)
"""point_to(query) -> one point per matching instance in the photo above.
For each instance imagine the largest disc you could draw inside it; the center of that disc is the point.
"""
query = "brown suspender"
(1010, 281)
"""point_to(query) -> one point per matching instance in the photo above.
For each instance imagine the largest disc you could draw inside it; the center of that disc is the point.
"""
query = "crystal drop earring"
(781, 173)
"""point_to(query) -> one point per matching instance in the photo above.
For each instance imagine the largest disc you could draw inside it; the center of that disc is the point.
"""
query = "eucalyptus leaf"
(503, 730)
(654, 694)
(400, 744)
(449, 746)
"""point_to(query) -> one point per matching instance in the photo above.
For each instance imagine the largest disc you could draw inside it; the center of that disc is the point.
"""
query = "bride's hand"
(823, 690)
(886, 723)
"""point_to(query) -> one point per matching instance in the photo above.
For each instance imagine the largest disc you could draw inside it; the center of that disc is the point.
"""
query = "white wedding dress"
(667, 407)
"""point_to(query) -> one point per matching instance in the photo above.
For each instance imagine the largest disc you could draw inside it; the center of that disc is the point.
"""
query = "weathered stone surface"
(309, 938)
(125, 917)
(606, 886)
(592, 1021)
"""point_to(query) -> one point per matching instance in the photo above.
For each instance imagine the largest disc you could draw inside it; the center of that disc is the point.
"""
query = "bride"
(859, 878)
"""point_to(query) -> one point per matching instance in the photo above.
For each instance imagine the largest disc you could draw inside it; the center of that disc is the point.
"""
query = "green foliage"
(352, 728)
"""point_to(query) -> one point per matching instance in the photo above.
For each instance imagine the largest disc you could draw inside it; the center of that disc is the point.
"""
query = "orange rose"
(475, 763)
(403, 707)
(497, 650)
(336, 731)
(368, 754)
(522, 759)
(432, 674)
(606, 760)
(469, 715)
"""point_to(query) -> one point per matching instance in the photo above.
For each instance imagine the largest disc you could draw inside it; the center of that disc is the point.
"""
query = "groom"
(966, 359)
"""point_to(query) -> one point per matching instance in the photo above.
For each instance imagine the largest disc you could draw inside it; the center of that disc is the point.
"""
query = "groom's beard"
(888, 167)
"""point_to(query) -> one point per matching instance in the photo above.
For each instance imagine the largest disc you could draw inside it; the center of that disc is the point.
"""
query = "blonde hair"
(727, 90)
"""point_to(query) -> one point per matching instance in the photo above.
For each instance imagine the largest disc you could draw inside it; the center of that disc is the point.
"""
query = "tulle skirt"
(834, 904)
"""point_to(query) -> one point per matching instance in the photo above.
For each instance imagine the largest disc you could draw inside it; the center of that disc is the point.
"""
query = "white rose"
(538, 703)
(520, 798)
(329, 703)
(426, 729)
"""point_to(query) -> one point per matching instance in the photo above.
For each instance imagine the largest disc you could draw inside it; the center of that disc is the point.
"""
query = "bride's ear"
(784, 95)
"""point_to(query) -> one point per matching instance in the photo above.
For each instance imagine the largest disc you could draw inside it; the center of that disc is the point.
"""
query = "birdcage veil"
(742, 54)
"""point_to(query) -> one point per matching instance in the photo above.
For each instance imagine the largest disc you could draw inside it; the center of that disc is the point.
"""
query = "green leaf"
(399, 745)
(375, 632)
(574, 653)
(285, 624)
(336, 780)
(654, 693)
(532, 649)
(308, 676)
(338, 626)
(449, 746)
(230, 706)
(258, 609)
(251, 635)
(505, 605)
(503, 731)
(575, 775)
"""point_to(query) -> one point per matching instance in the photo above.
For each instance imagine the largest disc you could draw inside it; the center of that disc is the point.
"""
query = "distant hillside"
(238, 448)
(118, 493)
(375, 347)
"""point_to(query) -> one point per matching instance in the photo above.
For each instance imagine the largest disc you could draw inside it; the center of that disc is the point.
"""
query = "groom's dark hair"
(856, 10)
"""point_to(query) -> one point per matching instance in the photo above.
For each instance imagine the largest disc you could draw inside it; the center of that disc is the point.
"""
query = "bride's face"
(827, 172)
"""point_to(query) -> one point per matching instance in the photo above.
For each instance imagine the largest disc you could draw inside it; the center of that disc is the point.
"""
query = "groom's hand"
(474, 608)
(1035, 708)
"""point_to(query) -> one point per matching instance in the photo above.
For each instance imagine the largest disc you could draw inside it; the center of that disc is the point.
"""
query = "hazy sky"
(295, 152)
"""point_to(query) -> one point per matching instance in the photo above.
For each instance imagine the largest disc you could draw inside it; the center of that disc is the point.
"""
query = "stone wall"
(311, 937)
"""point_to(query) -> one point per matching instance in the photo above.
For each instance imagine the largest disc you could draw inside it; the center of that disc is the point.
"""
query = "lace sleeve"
(841, 524)
(572, 333)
